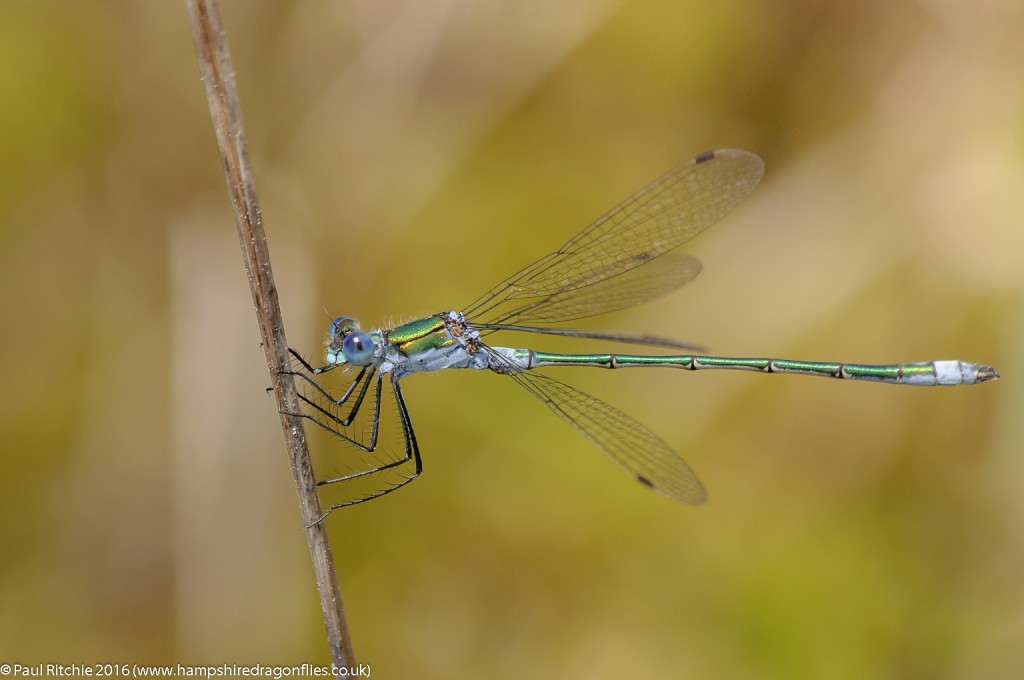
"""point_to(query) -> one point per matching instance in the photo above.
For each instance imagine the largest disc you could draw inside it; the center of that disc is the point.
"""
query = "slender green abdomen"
(919, 373)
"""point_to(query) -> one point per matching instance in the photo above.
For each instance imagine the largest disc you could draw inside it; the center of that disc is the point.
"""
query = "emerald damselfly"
(625, 258)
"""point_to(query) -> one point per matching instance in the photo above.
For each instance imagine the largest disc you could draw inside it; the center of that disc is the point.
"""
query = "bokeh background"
(408, 155)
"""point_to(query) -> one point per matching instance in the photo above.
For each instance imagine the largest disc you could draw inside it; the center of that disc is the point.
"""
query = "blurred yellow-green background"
(410, 154)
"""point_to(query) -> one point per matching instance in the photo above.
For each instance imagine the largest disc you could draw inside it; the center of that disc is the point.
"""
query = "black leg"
(412, 452)
(325, 407)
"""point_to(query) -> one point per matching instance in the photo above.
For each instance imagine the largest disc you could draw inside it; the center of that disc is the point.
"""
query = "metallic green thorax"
(419, 336)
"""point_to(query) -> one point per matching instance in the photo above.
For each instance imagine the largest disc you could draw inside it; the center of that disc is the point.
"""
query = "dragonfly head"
(347, 344)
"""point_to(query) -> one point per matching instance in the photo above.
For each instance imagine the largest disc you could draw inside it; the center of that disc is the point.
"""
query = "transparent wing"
(663, 215)
(635, 448)
(626, 289)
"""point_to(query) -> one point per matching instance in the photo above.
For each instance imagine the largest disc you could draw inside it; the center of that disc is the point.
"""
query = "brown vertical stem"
(221, 95)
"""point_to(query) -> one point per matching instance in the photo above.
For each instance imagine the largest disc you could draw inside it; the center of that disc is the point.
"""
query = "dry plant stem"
(222, 97)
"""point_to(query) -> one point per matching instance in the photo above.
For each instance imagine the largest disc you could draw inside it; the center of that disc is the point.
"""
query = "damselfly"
(625, 258)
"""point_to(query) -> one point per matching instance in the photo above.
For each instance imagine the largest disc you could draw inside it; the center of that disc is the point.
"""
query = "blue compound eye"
(341, 328)
(358, 349)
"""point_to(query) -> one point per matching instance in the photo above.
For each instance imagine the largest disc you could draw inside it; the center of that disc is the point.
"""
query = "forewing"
(626, 289)
(663, 215)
